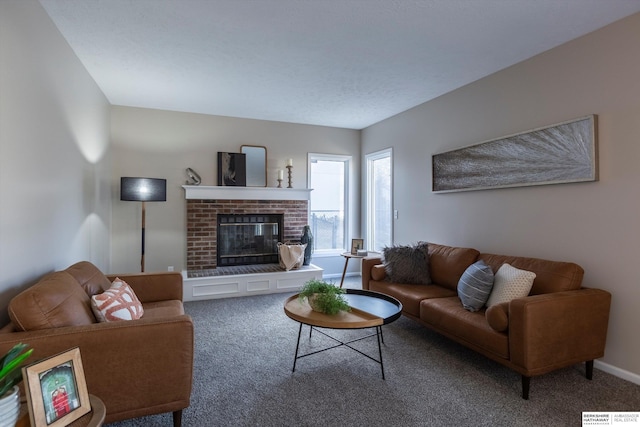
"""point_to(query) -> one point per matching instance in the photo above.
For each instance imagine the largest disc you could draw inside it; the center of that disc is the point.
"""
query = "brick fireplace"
(205, 203)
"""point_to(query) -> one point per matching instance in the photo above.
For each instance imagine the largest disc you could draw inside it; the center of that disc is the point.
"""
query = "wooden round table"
(369, 309)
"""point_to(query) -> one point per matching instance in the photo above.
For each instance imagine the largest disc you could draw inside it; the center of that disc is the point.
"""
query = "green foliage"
(326, 297)
(10, 373)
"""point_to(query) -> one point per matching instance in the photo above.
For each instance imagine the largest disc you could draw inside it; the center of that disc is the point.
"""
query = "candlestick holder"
(289, 172)
(279, 183)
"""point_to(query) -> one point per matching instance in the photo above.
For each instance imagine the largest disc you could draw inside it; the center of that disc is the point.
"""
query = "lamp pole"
(143, 190)
(143, 225)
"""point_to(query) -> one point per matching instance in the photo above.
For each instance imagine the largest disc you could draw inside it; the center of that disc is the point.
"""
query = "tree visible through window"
(328, 177)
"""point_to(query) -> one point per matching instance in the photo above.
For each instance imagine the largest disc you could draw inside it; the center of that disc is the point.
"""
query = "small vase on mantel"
(307, 238)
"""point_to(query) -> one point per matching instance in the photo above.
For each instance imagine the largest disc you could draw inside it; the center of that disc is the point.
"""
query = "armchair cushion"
(89, 277)
(54, 302)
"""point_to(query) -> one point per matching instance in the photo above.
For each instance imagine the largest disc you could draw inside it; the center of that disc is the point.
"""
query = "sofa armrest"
(555, 330)
(136, 367)
(367, 265)
(151, 287)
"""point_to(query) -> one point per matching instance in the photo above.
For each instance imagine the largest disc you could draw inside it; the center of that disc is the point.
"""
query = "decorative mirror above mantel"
(256, 165)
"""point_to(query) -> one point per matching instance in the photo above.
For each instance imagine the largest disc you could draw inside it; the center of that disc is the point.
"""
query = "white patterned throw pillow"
(119, 302)
(510, 283)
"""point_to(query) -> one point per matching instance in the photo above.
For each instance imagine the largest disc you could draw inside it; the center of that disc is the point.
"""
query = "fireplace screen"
(248, 239)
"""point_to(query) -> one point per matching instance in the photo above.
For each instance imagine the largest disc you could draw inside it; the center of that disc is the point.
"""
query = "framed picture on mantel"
(232, 169)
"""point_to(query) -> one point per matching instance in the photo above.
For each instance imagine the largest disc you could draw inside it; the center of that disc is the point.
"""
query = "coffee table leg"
(295, 358)
(378, 335)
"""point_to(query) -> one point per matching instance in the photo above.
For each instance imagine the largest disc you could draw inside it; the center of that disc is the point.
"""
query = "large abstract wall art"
(561, 153)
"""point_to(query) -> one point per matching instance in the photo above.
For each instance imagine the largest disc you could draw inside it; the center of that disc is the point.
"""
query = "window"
(329, 178)
(379, 200)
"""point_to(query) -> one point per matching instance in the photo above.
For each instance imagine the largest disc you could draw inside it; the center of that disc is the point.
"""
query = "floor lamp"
(143, 190)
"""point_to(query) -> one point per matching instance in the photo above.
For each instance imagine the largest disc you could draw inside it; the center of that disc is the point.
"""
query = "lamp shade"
(143, 189)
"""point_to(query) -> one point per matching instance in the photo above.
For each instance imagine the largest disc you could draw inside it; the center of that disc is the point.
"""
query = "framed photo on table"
(356, 245)
(56, 390)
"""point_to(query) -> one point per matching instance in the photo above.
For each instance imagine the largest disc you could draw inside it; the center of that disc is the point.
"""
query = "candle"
(289, 162)
(280, 174)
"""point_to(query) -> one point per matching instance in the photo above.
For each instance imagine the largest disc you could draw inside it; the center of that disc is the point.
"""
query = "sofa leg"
(589, 369)
(526, 382)
(177, 418)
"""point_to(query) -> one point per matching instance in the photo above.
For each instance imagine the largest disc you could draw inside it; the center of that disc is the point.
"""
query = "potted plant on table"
(324, 297)
(10, 377)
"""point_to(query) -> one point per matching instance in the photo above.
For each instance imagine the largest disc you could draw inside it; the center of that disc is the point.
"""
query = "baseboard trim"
(615, 371)
(339, 275)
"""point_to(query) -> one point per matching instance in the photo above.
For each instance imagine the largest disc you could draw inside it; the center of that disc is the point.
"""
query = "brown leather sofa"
(559, 324)
(137, 367)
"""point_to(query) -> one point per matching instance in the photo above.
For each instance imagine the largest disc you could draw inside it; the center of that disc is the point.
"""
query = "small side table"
(347, 256)
(95, 418)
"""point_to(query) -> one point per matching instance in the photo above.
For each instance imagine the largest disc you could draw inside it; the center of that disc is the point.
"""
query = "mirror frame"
(249, 154)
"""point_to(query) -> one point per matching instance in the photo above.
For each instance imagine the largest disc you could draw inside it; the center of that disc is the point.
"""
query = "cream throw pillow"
(510, 283)
(119, 302)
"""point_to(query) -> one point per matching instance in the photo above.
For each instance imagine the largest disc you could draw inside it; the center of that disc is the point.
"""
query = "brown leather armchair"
(137, 367)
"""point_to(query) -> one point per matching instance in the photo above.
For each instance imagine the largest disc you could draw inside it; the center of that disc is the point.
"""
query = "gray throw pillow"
(407, 264)
(475, 286)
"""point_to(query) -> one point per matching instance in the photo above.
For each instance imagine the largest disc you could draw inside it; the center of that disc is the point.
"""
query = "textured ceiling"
(343, 63)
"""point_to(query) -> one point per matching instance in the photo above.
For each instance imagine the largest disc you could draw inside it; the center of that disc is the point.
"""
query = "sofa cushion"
(475, 286)
(55, 301)
(89, 277)
(447, 264)
(498, 316)
(551, 276)
(163, 309)
(119, 302)
(510, 283)
(410, 295)
(407, 264)
(468, 327)
(378, 272)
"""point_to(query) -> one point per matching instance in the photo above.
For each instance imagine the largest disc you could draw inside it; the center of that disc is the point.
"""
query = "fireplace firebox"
(245, 239)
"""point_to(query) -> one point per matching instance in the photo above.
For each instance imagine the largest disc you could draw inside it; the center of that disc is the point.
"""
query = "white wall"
(593, 224)
(54, 162)
(162, 144)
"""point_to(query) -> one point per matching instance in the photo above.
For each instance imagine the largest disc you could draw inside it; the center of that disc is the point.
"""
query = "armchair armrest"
(137, 367)
(367, 265)
(555, 330)
(151, 287)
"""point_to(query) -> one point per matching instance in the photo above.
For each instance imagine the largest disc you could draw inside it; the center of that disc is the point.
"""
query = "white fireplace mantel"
(206, 192)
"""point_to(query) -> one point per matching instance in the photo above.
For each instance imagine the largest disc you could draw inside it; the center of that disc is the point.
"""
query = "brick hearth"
(202, 224)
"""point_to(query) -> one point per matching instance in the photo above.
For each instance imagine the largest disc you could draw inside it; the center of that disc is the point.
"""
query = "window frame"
(347, 160)
(369, 199)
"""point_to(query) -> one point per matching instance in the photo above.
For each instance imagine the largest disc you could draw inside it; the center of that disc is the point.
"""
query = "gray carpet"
(242, 377)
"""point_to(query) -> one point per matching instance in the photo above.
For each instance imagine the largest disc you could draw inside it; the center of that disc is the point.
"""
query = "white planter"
(9, 408)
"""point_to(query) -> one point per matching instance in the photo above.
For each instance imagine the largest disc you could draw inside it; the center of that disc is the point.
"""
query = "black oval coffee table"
(369, 309)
